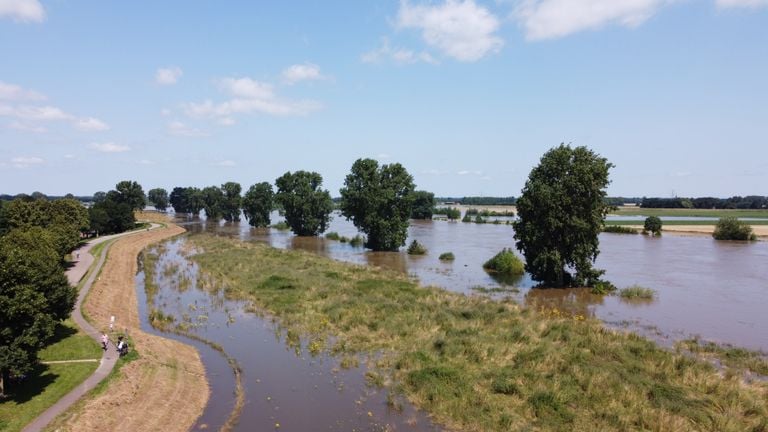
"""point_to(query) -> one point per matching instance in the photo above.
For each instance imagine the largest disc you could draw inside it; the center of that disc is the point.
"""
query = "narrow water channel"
(286, 387)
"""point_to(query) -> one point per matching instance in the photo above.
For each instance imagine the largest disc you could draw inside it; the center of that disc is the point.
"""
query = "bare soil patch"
(166, 388)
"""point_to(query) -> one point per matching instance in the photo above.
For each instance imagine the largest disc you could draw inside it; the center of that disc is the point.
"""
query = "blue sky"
(466, 94)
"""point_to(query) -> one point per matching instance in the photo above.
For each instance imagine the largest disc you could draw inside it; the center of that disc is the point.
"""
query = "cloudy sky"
(466, 94)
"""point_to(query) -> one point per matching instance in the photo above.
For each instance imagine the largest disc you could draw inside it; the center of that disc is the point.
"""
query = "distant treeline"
(735, 202)
(38, 195)
(478, 200)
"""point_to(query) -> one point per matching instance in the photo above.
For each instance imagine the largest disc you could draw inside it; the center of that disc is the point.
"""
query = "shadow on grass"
(60, 333)
(21, 390)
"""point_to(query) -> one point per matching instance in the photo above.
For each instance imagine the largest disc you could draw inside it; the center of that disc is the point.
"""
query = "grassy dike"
(479, 364)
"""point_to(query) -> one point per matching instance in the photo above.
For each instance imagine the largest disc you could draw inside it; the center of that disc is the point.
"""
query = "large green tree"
(258, 202)
(187, 200)
(307, 207)
(34, 296)
(158, 197)
(378, 201)
(561, 212)
(65, 219)
(423, 205)
(213, 203)
(232, 201)
(131, 193)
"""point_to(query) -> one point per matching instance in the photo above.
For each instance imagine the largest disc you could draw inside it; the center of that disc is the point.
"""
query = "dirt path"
(165, 389)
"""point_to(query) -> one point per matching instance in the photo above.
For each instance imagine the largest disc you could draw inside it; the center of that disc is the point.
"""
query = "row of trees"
(735, 202)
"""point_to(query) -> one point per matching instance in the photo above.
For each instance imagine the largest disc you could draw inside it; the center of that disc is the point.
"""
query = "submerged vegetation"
(505, 262)
(446, 256)
(479, 364)
(416, 248)
(618, 229)
(637, 292)
(731, 228)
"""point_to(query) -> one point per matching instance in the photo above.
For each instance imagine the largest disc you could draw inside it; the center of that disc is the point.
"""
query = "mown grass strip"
(479, 364)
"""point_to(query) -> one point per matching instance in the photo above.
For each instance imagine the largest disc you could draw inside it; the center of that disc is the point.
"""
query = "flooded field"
(716, 290)
(285, 386)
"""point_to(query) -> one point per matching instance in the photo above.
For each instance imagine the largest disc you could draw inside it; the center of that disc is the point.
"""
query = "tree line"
(753, 202)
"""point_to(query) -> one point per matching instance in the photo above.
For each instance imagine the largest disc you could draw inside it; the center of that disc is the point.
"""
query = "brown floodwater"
(286, 387)
(713, 289)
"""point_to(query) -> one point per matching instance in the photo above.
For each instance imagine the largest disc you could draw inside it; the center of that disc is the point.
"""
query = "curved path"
(109, 358)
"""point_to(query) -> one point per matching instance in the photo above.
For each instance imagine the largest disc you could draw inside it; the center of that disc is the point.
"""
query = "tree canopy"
(34, 296)
(213, 203)
(158, 197)
(423, 205)
(258, 202)
(231, 201)
(131, 193)
(378, 201)
(561, 212)
(307, 207)
(64, 219)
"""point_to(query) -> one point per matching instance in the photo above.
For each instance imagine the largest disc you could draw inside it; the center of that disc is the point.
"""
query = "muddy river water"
(715, 290)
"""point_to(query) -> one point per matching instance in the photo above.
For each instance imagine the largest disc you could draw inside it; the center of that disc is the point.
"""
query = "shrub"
(652, 225)
(447, 256)
(618, 229)
(449, 212)
(479, 219)
(333, 235)
(603, 287)
(344, 239)
(357, 240)
(637, 292)
(281, 226)
(505, 262)
(416, 248)
(731, 228)
(466, 218)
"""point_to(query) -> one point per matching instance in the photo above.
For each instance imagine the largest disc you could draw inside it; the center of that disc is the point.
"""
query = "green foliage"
(416, 248)
(131, 193)
(357, 240)
(307, 207)
(652, 225)
(231, 201)
(731, 228)
(378, 201)
(505, 262)
(258, 202)
(109, 216)
(281, 226)
(637, 292)
(158, 197)
(603, 288)
(213, 203)
(618, 229)
(187, 200)
(63, 219)
(34, 296)
(333, 235)
(423, 205)
(561, 212)
(451, 213)
(446, 256)
(479, 220)
(467, 218)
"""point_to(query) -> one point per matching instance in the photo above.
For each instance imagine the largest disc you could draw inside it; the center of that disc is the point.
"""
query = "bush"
(479, 219)
(281, 226)
(637, 292)
(333, 235)
(731, 228)
(618, 229)
(652, 225)
(447, 256)
(603, 287)
(466, 218)
(416, 248)
(344, 239)
(505, 262)
(357, 240)
(449, 212)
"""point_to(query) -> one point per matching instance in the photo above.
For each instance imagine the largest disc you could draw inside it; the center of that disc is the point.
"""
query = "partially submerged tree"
(258, 202)
(231, 202)
(652, 225)
(158, 197)
(379, 200)
(423, 205)
(34, 296)
(307, 207)
(731, 228)
(561, 212)
(213, 203)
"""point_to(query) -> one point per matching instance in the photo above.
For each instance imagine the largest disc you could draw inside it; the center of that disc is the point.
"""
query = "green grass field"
(677, 222)
(478, 364)
(48, 383)
(637, 211)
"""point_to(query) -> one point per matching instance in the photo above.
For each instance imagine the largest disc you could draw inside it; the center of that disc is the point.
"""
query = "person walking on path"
(104, 341)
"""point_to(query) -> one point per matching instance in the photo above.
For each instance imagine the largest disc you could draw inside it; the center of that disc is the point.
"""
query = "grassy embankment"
(479, 364)
(714, 213)
(49, 382)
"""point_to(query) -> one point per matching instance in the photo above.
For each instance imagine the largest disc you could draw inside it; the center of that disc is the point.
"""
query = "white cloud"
(109, 147)
(13, 92)
(40, 113)
(397, 55)
(248, 96)
(26, 161)
(226, 163)
(226, 121)
(26, 127)
(549, 19)
(22, 10)
(168, 76)
(302, 72)
(459, 28)
(91, 124)
(750, 4)
(180, 129)
(467, 172)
